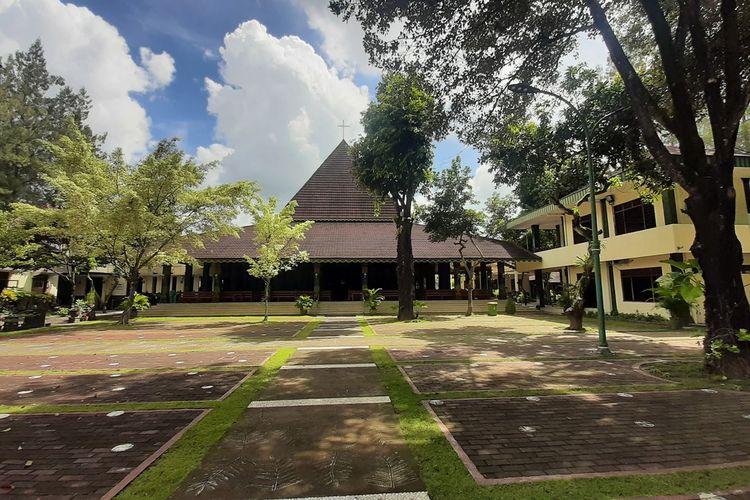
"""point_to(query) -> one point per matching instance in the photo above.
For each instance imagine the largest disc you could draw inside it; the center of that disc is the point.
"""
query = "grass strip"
(446, 476)
(367, 330)
(164, 477)
(307, 330)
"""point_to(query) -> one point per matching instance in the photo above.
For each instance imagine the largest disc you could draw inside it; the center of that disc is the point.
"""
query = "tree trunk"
(469, 287)
(405, 265)
(266, 298)
(127, 312)
(712, 209)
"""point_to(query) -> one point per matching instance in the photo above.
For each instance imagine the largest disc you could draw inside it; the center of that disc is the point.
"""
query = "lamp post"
(525, 88)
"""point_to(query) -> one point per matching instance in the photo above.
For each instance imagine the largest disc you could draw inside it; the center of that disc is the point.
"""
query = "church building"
(350, 248)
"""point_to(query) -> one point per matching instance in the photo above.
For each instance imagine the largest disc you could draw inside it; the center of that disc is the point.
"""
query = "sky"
(258, 86)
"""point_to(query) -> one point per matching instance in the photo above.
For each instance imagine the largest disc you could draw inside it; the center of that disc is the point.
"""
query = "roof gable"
(332, 193)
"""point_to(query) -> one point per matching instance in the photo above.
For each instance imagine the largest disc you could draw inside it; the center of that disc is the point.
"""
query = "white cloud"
(159, 66)
(342, 42)
(277, 107)
(88, 52)
(214, 153)
(483, 184)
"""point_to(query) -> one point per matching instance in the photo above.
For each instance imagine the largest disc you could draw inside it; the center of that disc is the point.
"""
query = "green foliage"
(510, 306)
(17, 302)
(277, 238)
(419, 306)
(679, 290)
(448, 216)
(394, 158)
(500, 210)
(35, 108)
(140, 303)
(372, 298)
(152, 212)
(304, 303)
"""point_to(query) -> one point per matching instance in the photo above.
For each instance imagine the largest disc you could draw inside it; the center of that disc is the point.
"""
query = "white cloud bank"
(341, 42)
(89, 52)
(277, 108)
(159, 66)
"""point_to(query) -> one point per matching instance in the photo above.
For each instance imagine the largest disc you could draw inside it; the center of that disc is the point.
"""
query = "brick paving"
(504, 440)
(146, 360)
(71, 455)
(118, 387)
(524, 375)
(532, 347)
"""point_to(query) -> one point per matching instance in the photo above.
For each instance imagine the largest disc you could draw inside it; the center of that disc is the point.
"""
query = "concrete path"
(323, 428)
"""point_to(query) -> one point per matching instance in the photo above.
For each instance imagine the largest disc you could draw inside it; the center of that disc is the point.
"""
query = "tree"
(448, 216)
(500, 210)
(54, 237)
(394, 160)
(277, 239)
(679, 62)
(153, 212)
(35, 109)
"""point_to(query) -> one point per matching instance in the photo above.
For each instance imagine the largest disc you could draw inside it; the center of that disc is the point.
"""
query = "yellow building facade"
(636, 236)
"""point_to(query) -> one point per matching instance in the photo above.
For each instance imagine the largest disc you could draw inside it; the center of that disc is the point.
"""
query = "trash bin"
(492, 308)
(172, 296)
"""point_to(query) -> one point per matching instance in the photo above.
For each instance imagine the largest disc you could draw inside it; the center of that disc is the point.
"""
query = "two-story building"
(636, 236)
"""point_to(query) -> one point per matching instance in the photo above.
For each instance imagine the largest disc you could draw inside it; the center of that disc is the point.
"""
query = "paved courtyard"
(325, 425)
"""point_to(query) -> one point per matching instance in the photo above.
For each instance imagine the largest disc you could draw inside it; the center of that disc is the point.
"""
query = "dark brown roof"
(332, 193)
(364, 242)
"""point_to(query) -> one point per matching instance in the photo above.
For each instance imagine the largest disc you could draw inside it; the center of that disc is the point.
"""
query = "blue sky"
(257, 85)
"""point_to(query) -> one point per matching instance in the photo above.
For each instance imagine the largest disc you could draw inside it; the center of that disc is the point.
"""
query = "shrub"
(419, 305)
(140, 303)
(372, 298)
(304, 303)
(510, 306)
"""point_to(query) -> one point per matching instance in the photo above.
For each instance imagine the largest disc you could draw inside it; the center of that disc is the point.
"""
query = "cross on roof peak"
(343, 128)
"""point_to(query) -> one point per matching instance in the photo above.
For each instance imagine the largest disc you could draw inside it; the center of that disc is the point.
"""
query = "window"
(634, 216)
(637, 284)
(585, 222)
(746, 189)
(39, 283)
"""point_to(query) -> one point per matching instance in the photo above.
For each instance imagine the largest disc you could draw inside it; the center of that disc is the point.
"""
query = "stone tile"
(505, 440)
(76, 454)
(525, 375)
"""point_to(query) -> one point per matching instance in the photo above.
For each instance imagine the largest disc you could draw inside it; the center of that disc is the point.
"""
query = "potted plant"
(140, 303)
(304, 303)
(372, 298)
(678, 291)
(8, 299)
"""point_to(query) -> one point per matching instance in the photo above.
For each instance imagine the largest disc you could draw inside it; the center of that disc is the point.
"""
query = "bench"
(246, 296)
(439, 294)
(197, 297)
(288, 295)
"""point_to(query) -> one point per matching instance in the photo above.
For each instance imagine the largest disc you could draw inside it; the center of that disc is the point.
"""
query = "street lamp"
(525, 88)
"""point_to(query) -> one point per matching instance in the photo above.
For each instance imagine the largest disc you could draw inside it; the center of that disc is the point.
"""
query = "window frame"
(629, 293)
(647, 216)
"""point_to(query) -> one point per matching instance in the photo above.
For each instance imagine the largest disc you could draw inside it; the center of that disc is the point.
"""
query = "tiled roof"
(364, 242)
(332, 193)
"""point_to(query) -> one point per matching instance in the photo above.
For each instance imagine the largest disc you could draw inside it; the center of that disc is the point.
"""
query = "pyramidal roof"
(333, 194)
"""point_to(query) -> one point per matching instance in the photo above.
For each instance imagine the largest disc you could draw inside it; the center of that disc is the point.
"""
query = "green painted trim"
(670, 206)
(612, 292)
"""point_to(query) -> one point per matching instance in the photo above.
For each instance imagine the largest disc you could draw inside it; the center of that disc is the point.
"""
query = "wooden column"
(539, 285)
(166, 279)
(364, 277)
(501, 290)
(216, 282)
(187, 285)
(456, 275)
(316, 281)
(483, 281)
(205, 285)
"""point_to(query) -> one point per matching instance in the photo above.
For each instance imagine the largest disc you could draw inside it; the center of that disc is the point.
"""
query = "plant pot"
(675, 321)
(34, 320)
(10, 324)
(575, 320)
